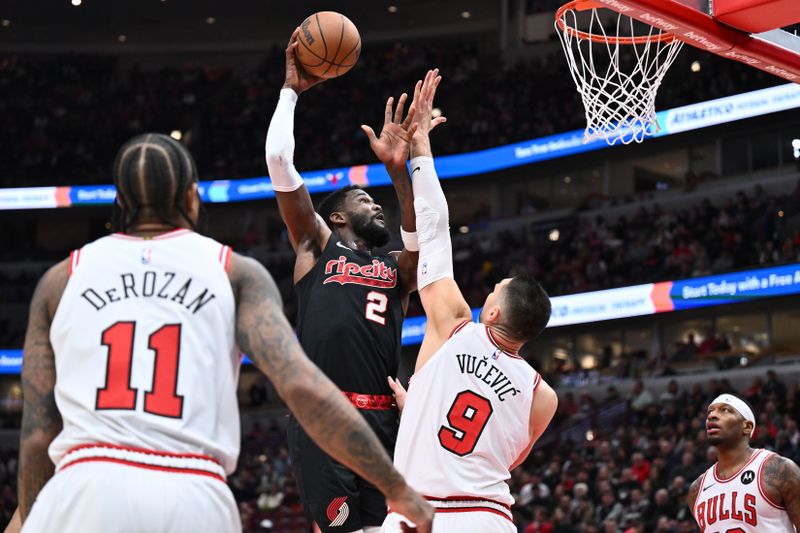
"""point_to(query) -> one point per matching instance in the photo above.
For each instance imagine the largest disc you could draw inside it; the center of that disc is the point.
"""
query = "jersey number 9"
(467, 417)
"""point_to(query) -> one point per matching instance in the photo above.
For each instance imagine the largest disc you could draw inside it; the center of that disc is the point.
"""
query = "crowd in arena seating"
(8, 484)
(748, 229)
(65, 116)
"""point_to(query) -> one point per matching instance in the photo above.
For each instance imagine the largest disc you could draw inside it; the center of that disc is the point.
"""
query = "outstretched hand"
(392, 146)
(297, 78)
(424, 92)
(399, 393)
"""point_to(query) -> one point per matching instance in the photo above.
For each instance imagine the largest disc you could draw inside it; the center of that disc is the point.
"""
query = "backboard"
(753, 32)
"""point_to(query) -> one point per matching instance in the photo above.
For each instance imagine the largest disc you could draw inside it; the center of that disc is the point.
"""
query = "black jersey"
(350, 317)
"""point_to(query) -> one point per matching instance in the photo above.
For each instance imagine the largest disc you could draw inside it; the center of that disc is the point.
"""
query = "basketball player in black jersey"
(351, 302)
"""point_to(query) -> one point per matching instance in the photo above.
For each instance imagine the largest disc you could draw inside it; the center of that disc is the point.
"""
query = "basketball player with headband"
(747, 489)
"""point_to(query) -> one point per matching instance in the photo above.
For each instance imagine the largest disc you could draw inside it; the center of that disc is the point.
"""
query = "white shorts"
(98, 496)
(464, 517)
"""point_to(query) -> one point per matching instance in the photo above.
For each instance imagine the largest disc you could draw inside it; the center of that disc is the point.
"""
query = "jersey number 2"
(467, 417)
(376, 304)
(162, 399)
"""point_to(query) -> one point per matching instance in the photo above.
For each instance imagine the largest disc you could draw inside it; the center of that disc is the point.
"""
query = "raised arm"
(392, 149)
(444, 304)
(308, 234)
(781, 481)
(265, 335)
(545, 403)
(41, 421)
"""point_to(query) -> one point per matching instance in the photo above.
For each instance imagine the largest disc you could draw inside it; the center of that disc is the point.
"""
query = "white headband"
(739, 405)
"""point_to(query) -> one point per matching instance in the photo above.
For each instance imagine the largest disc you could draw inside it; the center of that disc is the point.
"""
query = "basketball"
(329, 44)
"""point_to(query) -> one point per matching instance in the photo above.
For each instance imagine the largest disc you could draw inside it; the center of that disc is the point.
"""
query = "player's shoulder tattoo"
(694, 488)
(781, 476)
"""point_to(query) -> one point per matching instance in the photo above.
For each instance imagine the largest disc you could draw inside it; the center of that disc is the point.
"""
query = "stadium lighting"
(176, 134)
(436, 112)
(211, 20)
(392, 9)
(465, 14)
(554, 234)
(6, 23)
(122, 38)
(796, 146)
(463, 229)
(76, 3)
(695, 66)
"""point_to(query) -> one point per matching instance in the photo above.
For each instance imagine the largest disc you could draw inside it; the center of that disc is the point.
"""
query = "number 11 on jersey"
(163, 398)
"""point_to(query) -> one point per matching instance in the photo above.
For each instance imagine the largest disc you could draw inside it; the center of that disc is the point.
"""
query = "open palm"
(392, 146)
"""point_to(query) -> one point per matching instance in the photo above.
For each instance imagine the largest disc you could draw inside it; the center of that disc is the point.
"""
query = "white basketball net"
(617, 74)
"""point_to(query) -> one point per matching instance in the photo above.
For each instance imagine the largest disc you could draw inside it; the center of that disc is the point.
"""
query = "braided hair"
(152, 173)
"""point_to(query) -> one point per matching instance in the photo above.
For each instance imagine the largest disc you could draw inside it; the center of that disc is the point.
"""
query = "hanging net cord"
(617, 76)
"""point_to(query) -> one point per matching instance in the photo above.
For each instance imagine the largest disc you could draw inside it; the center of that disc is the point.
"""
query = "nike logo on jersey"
(340, 245)
(708, 487)
(415, 169)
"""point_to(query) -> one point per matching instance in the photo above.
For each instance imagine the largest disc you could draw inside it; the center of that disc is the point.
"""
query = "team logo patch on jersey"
(147, 256)
(362, 401)
(375, 274)
(748, 477)
(338, 511)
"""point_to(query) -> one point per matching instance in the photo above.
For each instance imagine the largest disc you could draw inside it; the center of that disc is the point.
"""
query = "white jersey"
(466, 419)
(144, 348)
(739, 503)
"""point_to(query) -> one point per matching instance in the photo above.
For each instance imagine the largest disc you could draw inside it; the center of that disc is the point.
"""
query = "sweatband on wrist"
(279, 147)
(739, 405)
(410, 241)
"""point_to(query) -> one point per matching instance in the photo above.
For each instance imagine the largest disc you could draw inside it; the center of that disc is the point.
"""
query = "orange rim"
(585, 5)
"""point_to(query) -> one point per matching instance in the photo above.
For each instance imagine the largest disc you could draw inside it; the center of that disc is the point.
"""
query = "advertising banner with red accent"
(613, 304)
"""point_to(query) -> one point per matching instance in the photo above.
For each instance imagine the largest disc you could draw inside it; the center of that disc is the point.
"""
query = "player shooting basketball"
(474, 408)
(351, 300)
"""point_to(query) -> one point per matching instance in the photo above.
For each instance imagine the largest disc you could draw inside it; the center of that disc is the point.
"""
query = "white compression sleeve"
(433, 223)
(280, 145)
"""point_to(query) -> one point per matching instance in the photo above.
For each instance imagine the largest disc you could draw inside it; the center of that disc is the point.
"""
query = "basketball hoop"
(617, 64)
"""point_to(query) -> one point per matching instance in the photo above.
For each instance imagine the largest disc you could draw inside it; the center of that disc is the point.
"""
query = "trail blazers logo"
(338, 511)
(375, 274)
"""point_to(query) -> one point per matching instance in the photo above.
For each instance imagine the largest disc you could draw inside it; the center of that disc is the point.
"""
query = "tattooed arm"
(41, 421)
(691, 497)
(780, 478)
(265, 335)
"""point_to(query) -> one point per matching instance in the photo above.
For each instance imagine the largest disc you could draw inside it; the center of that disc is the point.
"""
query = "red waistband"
(185, 463)
(377, 402)
(468, 504)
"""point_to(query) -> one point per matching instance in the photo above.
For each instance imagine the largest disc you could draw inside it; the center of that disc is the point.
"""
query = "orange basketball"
(329, 44)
